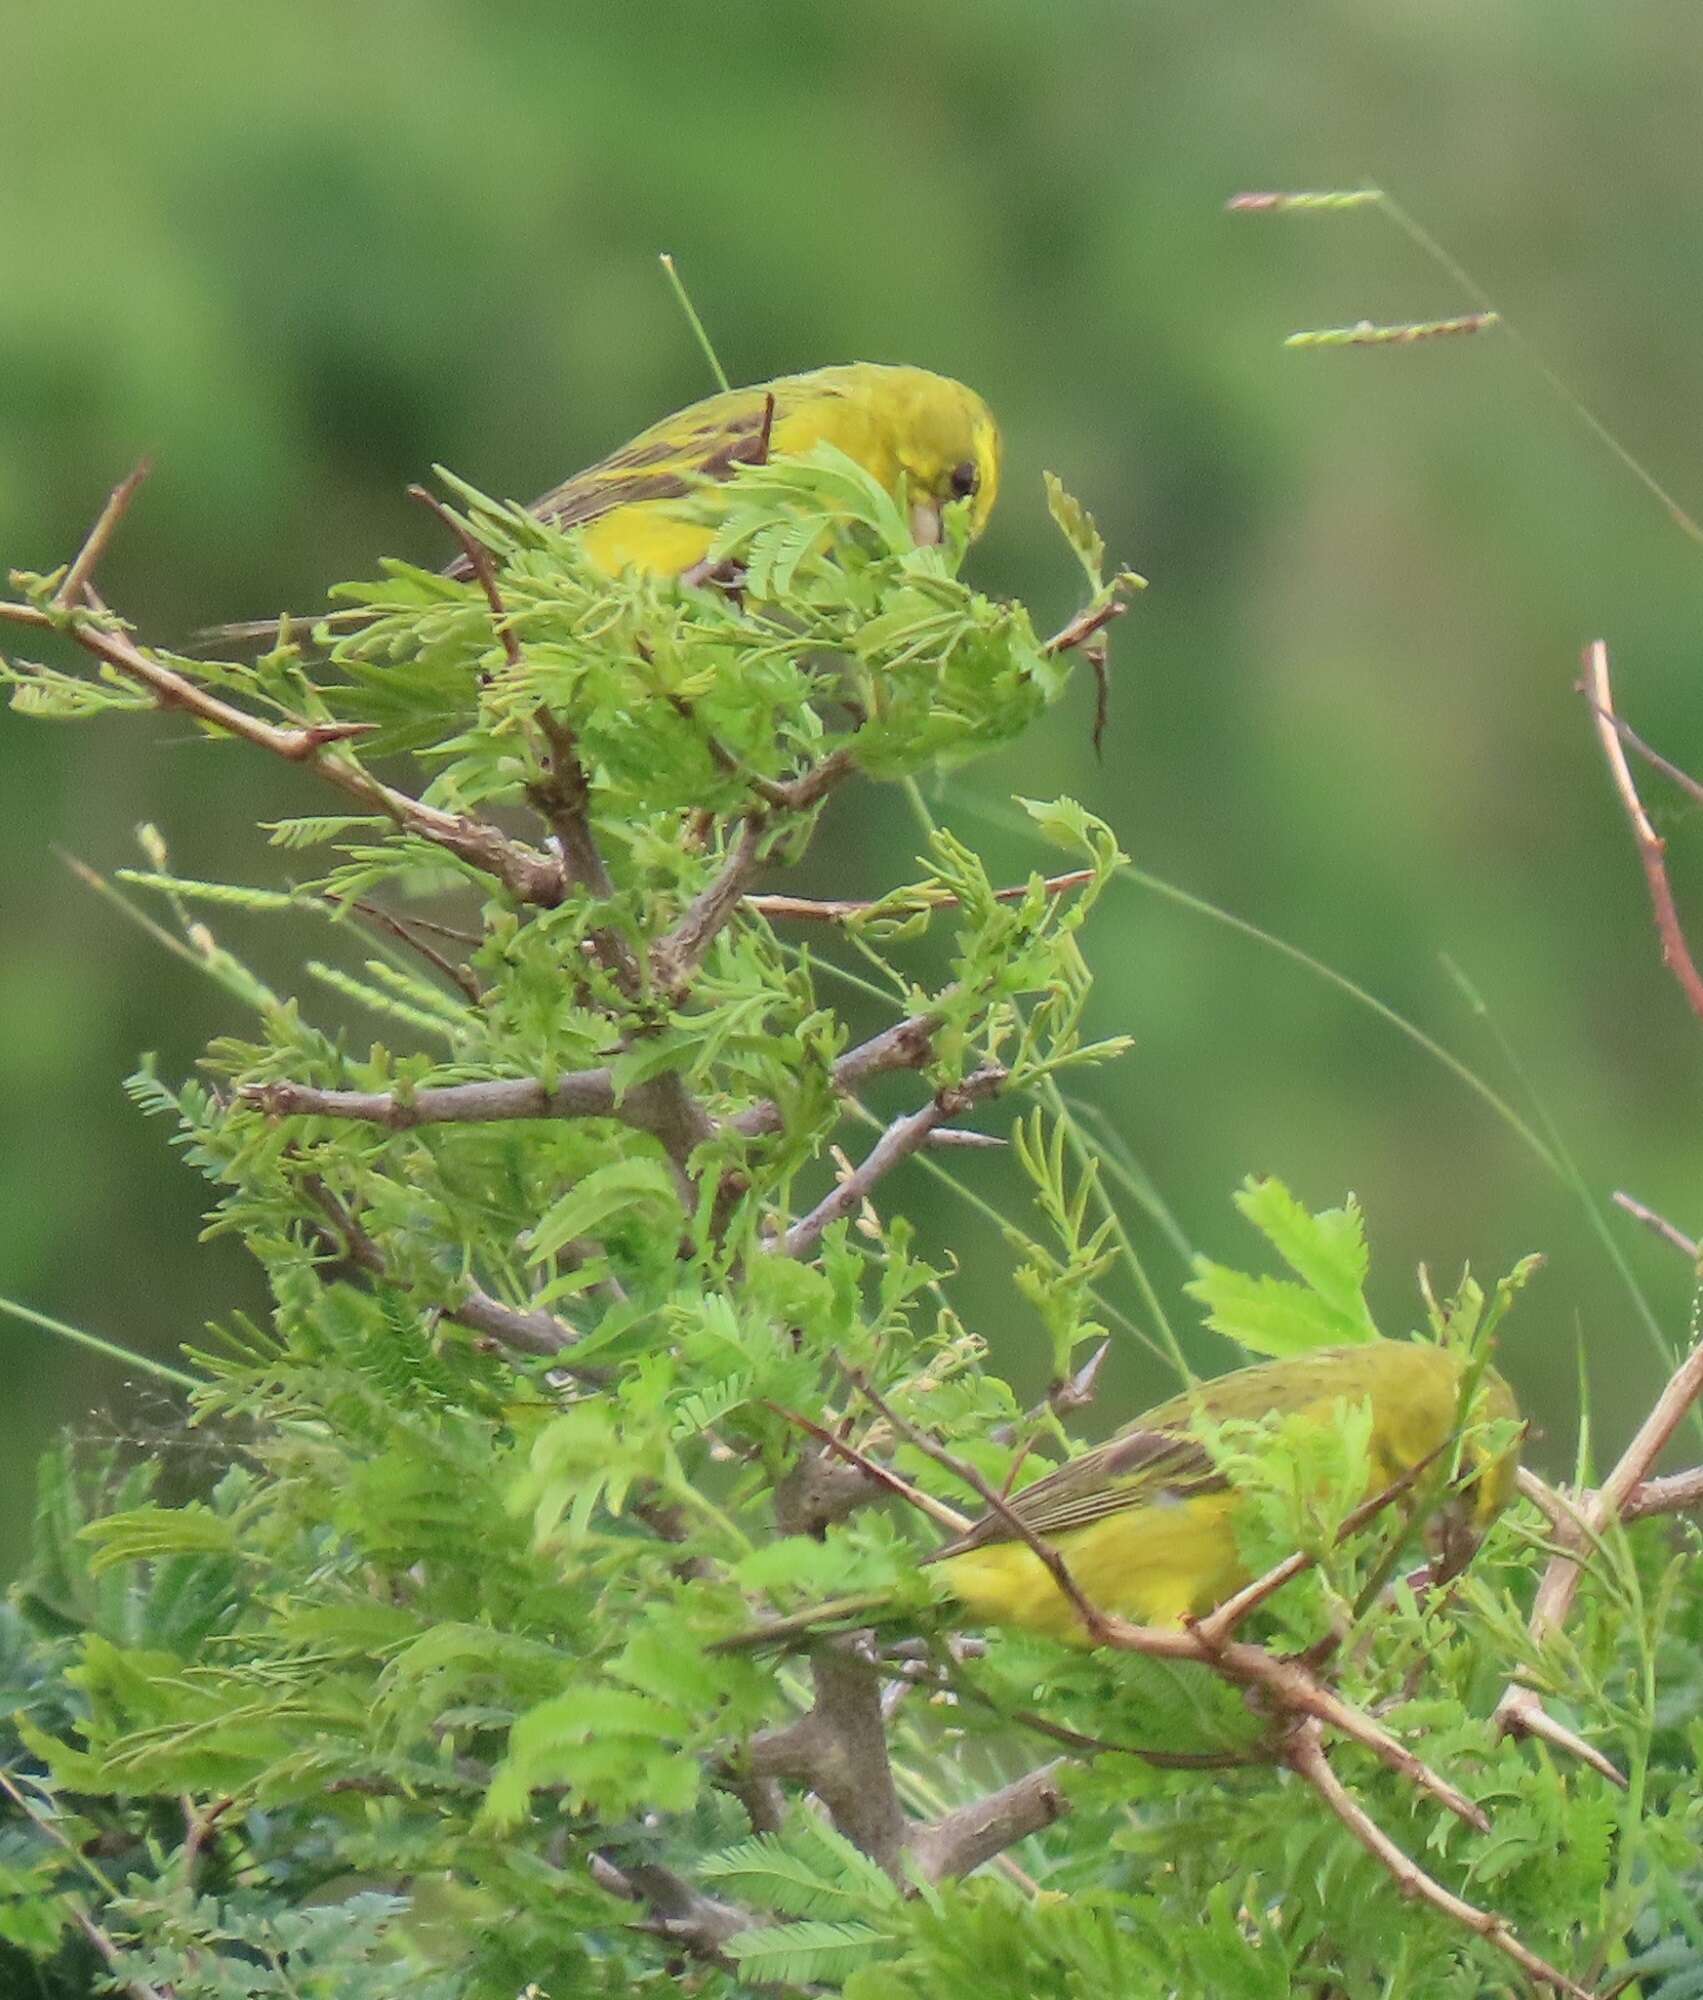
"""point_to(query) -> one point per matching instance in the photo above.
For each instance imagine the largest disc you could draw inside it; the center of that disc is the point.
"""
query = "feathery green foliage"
(416, 1694)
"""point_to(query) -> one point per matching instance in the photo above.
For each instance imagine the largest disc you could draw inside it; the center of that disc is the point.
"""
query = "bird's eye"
(964, 480)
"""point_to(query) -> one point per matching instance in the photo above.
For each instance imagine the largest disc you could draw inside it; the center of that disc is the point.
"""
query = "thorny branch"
(902, 1138)
(588, 1093)
(678, 955)
(529, 875)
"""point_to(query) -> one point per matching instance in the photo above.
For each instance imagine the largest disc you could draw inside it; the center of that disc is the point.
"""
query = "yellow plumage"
(923, 434)
(647, 506)
(1146, 1522)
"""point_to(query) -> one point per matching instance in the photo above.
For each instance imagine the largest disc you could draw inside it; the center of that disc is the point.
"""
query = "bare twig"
(82, 569)
(1306, 1756)
(1658, 1225)
(810, 910)
(1652, 849)
(587, 1093)
(1656, 761)
(407, 932)
(902, 1138)
(1084, 625)
(963, 1839)
(478, 559)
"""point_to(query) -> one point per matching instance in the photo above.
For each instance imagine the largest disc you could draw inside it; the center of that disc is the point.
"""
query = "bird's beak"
(926, 530)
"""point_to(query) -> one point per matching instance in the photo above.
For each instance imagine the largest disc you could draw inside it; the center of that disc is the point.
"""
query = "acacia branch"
(1306, 1757)
(1652, 849)
(528, 875)
(563, 796)
(902, 1138)
(963, 1839)
(838, 1749)
(588, 1093)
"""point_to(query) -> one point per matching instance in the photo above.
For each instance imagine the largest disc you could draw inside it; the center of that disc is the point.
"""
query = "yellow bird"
(645, 506)
(919, 434)
(1146, 1522)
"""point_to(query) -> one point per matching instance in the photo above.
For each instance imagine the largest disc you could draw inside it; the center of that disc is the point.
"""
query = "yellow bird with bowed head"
(647, 506)
(919, 434)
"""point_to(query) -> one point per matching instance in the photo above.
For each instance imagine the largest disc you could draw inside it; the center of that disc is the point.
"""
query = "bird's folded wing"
(1143, 1468)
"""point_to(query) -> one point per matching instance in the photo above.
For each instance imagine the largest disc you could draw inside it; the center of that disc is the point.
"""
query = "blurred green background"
(299, 253)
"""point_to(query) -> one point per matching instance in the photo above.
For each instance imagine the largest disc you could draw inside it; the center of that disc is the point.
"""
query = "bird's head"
(949, 453)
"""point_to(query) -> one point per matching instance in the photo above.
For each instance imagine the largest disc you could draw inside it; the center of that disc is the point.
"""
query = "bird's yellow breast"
(1155, 1564)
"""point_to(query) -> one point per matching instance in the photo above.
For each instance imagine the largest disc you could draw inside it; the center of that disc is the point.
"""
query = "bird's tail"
(813, 1619)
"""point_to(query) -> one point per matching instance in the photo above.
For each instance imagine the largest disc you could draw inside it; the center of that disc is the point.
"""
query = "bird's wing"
(705, 442)
(1139, 1468)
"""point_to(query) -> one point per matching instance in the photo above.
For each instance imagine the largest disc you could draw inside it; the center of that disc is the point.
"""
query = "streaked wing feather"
(659, 467)
(1139, 1468)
